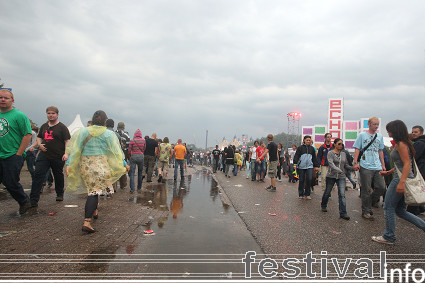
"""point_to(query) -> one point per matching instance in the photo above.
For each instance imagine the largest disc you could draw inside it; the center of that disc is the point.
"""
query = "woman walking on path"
(136, 151)
(262, 163)
(304, 162)
(402, 156)
(95, 162)
(238, 163)
(338, 164)
(165, 153)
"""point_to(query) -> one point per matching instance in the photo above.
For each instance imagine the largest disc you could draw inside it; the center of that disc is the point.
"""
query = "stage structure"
(347, 130)
(293, 126)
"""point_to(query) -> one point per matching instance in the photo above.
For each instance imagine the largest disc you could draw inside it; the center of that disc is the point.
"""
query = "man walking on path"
(52, 139)
(151, 152)
(216, 154)
(179, 153)
(15, 135)
(253, 159)
(369, 158)
(273, 159)
(419, 145)
(124, 139)
(322, 157)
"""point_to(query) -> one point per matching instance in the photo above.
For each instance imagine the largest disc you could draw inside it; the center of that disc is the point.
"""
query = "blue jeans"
(10, 170)
(235, 169)
(349, 177)
(42, 165)
(261, 168)
(253, 169)
(136, 160)
(179, 162)
(215, 166)
(330, 182)
(30, 159)
(304, 186)
(394, 204)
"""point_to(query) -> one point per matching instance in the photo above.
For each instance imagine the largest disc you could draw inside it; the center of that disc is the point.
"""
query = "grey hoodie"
(337, 165)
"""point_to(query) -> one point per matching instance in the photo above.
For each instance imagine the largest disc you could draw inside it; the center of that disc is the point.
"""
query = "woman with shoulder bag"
(402, 156)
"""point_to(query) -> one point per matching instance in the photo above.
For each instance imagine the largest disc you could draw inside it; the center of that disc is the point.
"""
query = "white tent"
(76, 125)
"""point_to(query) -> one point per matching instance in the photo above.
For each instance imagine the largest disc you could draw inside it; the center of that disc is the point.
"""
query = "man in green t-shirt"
(15, 135)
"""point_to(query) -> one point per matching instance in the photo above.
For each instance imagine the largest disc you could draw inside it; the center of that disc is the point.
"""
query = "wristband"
(355, 163)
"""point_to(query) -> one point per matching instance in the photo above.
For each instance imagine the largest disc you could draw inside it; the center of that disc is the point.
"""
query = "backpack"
(124, 139)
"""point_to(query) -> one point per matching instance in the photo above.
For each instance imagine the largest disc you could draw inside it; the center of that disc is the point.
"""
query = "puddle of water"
(197, 223)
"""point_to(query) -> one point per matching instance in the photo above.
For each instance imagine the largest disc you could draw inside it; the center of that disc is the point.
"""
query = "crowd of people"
(374, 163)
(97, 160)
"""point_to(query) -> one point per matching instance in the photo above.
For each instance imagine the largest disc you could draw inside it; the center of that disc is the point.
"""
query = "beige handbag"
(414, 193)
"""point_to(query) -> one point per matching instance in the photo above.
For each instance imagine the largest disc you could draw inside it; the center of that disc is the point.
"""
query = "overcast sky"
(179, 68)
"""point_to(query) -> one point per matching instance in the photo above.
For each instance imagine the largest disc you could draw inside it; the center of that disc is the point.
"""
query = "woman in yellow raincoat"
(95, 162)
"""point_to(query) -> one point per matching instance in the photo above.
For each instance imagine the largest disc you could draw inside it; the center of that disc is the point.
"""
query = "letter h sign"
(335, 117)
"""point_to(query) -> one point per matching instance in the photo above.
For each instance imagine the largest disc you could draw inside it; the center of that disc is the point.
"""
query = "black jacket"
(419, 145)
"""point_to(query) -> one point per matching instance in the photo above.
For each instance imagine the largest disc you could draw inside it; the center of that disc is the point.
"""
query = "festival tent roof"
(76, 125)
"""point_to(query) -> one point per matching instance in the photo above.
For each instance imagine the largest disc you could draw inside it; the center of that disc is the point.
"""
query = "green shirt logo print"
(4, 127)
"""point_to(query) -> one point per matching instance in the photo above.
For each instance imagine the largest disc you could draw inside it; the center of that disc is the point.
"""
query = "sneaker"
(367, 216)
(272, 189)
(23, 208)
(59, 198)
(324, 209)
(301, 197)
(381, 240)
(345, 217)
(308, 197)
(268, 188)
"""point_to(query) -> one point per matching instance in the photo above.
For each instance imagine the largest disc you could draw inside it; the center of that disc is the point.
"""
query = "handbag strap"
(364, 149)
(85, 142)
